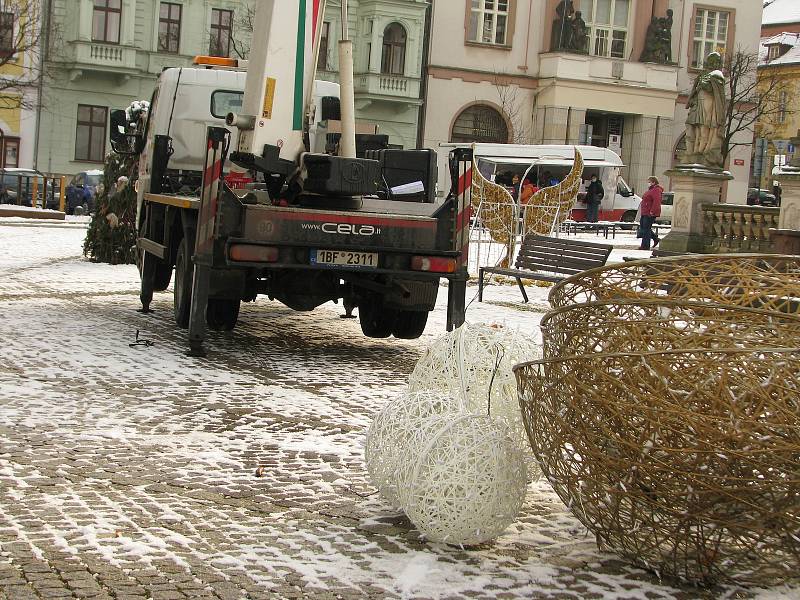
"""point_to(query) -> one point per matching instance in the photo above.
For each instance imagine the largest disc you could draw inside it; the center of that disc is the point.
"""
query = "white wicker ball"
(465, 483)
(474, 363)
(388, 435)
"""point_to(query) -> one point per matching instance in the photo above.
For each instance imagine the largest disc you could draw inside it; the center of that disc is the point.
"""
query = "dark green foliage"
(112, 232)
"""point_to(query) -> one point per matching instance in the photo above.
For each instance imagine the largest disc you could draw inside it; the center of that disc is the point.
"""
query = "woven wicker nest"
(662, 324)
(684, 462)
(666, 412)
(754, 280)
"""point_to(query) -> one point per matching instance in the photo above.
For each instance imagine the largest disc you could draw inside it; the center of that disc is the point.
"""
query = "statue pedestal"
(693, 185)
(790, 198)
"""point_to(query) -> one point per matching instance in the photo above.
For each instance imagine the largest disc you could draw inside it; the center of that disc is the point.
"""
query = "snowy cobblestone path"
(130, 472)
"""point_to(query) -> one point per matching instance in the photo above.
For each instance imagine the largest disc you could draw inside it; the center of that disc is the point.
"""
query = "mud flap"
(456, 301)
(197, 313)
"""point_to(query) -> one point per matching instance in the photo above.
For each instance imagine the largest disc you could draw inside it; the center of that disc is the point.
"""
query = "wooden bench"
(549, 259)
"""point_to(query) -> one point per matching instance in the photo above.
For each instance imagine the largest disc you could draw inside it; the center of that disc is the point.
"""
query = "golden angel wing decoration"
(493, 204)
(550, 206)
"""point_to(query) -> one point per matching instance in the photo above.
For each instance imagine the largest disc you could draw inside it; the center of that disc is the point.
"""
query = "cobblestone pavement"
(131, 471)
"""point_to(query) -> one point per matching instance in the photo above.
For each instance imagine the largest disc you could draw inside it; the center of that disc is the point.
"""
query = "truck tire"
(182, 292)
(222, 314)
(376, 321)
(410, 324)
(629, 216)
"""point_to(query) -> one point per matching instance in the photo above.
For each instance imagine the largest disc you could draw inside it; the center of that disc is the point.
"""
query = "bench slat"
(561, 242)
(581, 264)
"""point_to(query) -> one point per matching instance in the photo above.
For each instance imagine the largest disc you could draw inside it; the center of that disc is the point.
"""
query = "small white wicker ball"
(474, 363)
(388, 435)
(465, 483)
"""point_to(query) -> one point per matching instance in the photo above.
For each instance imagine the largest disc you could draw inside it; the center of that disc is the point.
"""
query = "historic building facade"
(107, 53)
(610, 73)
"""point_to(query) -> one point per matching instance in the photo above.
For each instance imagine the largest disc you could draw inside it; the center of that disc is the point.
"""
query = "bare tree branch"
(511, 107)
(20, 52)
(754, 99)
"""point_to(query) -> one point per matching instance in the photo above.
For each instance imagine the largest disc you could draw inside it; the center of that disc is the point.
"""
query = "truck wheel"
(376, 321)
(182, 294)
(410, 324)
(628, 217)
(222, 314)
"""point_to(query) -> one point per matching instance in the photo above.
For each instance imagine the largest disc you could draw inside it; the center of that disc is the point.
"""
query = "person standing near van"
(594, 195)
(651, 209)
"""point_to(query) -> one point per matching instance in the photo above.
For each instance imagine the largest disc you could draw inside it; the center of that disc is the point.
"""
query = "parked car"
(81, 189)
(667, 200)
(16, 183)
(759, 197)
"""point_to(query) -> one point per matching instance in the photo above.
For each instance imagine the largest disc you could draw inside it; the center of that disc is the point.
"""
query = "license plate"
(344, 258)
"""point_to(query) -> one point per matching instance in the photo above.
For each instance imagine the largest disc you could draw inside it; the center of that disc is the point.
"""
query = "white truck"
(309, 227)
(500, 162)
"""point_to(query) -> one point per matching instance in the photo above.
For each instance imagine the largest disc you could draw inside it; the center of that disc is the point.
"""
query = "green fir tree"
(112, 232)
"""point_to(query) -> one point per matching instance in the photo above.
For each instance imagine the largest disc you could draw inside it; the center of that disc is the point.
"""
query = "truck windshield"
(224, 102)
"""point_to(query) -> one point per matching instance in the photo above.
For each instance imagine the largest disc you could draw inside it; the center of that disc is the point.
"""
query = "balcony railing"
(382, 84)
(737, 228)
(100, 56)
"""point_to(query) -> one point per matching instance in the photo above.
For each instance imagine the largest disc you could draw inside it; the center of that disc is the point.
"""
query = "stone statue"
(658, 40)
(580, 35)
(562, 26)
(665, 36)
(705, 123)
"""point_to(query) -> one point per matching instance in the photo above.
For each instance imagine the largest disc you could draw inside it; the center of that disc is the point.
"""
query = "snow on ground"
(138, 465)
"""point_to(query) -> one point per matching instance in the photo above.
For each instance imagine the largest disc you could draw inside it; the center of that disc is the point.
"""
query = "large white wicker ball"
(474, 363)
(465, 483)
(390, 431)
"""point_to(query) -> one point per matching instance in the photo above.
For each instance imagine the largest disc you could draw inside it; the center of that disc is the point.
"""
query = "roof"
(792, 57)
(780, 11)
(550, 154)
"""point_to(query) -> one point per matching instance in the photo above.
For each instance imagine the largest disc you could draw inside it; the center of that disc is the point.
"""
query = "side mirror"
(122, 141)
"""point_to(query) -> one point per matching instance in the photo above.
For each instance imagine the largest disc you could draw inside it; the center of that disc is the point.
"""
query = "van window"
(224, 102)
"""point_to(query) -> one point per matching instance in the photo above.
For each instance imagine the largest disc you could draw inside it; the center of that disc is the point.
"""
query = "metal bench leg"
(480, 285)
(522, 289)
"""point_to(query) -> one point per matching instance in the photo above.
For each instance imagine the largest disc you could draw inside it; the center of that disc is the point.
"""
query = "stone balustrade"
(738, 228)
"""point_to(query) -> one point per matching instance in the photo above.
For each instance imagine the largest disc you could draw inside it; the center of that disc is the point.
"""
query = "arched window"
(480, 123)
(393, 58)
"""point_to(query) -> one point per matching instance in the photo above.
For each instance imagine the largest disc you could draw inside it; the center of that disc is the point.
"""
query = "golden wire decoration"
(754, 280)
(544, 212)
(685, 462)
(662, 324)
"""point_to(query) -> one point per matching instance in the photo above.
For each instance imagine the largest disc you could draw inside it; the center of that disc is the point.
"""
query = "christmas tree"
(112, 232)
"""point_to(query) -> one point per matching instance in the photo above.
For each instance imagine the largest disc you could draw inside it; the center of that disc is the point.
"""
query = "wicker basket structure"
(683, 461)
(662, 324)
(764, 281)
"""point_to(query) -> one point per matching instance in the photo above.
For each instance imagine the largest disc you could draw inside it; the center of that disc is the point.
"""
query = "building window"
(221, 25)
(607, 21)
(773, 52)
(169, 27)
(393, 57)
(106, 20)
(324, 36)
(710, 35)
(783, 103)
(90, 136)
(488, 21)
(10, 152)
(6, 33)
(480, 123)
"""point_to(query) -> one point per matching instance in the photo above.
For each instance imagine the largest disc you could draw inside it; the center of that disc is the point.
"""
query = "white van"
(500, 162)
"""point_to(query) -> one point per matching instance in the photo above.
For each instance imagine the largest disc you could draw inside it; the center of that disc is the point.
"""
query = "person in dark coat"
(594, 195)
(651, 209)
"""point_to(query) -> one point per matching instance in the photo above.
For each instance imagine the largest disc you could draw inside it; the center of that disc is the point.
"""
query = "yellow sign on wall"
(269, 98)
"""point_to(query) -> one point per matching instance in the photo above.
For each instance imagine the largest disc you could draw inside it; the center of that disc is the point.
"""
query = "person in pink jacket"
(651, 209)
